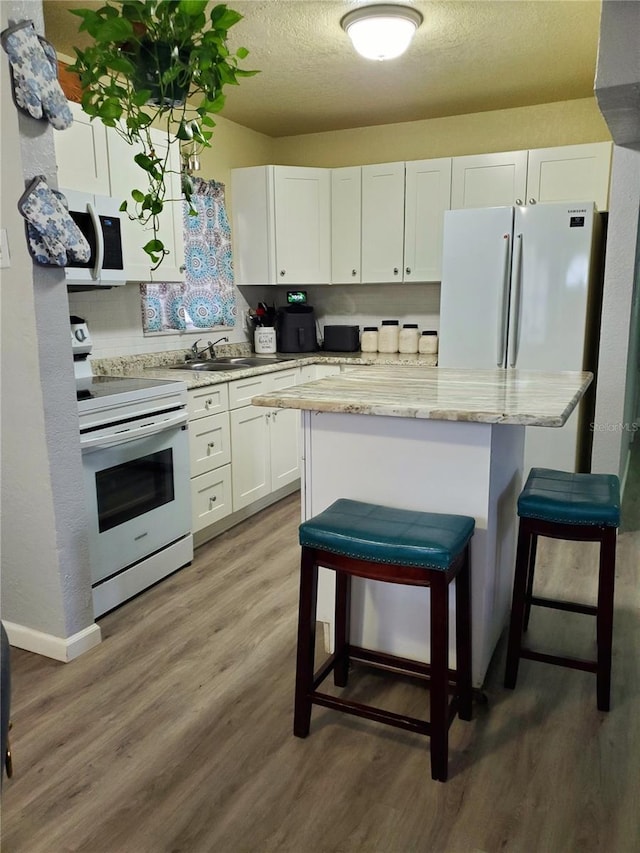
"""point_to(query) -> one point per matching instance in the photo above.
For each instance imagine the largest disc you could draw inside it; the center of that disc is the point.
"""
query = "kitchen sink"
(207, 366)
(230, 363)
(251, 360)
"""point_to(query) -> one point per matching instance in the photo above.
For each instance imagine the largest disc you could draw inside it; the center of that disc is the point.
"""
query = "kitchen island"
(431, 439)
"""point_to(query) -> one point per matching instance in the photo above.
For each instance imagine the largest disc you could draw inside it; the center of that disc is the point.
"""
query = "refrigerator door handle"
(503, 308)
(514, 338)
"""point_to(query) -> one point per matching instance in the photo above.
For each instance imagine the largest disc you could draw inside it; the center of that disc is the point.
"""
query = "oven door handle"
(102, 442)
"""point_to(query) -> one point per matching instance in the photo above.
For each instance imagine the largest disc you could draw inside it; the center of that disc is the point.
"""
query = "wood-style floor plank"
(174, 735)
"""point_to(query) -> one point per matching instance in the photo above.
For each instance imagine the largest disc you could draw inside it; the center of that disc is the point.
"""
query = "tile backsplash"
(115, 320)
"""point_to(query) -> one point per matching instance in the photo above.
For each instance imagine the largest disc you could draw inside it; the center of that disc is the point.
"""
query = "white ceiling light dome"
(383, 31)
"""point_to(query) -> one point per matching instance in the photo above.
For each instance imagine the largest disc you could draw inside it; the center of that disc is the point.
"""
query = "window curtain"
(206, 298)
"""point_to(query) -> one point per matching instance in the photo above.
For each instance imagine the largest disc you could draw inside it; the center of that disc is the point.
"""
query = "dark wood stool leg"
(517, 606)
(604, 618)
(439, 678)
(530, 573)
(306, 642)
(343, 616)
(463, 640)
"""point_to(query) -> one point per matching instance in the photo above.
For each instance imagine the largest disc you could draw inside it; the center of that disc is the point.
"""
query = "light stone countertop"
(529, 398)
(159, 365)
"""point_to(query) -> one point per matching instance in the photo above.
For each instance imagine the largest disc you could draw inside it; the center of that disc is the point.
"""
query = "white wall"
(617, 85)
(46, 593)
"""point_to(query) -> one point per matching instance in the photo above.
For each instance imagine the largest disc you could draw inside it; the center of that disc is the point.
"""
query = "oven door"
(138, 494)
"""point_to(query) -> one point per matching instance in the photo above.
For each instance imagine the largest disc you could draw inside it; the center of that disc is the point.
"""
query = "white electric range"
(135, 454)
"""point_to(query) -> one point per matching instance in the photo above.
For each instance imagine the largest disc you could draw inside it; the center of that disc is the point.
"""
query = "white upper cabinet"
(81, 155)
(570, 173)
(382, 222)
(565, 173)
(427, 196)
(281, 225)
(489, 180)
(346, 224)
(402, 216)
(126, 176)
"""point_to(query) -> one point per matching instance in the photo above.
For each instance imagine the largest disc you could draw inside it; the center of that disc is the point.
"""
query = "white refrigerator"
(521, 288)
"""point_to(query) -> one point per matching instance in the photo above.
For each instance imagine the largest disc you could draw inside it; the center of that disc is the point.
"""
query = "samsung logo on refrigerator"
(577, 217)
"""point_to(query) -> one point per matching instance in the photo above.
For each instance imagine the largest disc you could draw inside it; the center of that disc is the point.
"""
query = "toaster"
(341, 338)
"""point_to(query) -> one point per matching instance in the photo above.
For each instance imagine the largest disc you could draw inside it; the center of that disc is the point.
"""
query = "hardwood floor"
(175, 733)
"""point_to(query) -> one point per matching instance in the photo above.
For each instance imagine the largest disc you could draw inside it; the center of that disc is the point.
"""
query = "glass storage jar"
(369, 339)
(428, 343)
(388, 336)
(408, 338)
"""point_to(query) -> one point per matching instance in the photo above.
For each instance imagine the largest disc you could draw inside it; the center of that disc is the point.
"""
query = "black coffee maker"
(296, 329)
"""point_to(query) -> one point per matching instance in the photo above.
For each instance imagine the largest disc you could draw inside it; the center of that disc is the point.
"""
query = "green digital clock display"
(296, 297)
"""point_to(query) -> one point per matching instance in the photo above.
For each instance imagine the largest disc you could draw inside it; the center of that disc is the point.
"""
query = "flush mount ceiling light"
(383, 31)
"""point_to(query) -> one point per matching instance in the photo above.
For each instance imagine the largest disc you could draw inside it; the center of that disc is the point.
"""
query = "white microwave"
(100, 221)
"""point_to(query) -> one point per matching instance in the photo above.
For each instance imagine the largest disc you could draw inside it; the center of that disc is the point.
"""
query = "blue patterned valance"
(206, 298)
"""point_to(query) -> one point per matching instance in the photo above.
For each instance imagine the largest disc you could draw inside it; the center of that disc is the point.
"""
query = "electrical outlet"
(5, 259)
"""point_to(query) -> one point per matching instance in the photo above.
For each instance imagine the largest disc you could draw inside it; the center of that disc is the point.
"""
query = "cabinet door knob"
(208, 403)
(354, 272)
(211, 445)
(518, 201)
(396, 270)
(183, 267)
(282, 272)
(212, 500)
(408, 270)
(532, 201)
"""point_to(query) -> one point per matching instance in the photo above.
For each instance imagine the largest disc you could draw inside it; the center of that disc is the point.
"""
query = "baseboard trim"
(63, 649)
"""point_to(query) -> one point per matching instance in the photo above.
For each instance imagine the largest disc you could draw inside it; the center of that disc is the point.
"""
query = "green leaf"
(242, 53)
(123, 206)
(140, 98)
(227, 19)
(115, 29)
(184, 132)
(137, 195)
(110, 109)
(144, 162)
(192, 7)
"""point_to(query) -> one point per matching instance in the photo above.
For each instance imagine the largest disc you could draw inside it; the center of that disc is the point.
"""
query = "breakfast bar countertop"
(530, 398)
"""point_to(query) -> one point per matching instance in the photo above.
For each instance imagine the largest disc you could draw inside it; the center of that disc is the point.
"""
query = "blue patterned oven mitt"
(53, 236)
(34, 74)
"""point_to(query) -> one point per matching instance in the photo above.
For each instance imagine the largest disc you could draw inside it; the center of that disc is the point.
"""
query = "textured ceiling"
(468, 56)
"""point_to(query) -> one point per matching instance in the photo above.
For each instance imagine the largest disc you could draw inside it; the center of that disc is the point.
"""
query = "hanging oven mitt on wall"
(58, 239)
(39, 250)
(36, 89)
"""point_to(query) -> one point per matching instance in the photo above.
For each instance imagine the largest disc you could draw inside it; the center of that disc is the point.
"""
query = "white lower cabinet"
(265, 443)
(317, 371)
(210, 455)
(250, 463)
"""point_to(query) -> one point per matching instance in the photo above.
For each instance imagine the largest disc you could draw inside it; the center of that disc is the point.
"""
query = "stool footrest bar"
(573, 607)
(370, 712)
(571, 663)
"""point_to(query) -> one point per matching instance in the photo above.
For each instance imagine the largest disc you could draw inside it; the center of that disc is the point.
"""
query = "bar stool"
(394, 546)
(579, 507)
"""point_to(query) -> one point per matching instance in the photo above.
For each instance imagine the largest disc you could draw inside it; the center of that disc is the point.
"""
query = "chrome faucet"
(195, 353)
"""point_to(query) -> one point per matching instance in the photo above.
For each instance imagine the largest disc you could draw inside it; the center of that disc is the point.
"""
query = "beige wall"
(541, 126)
(234, 146)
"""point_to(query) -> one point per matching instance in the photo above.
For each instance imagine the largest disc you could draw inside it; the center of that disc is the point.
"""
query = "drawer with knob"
(209, 443)
(210, 400)
(210, 497)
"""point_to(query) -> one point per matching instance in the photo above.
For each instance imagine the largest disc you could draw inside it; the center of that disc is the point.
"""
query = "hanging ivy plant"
(162, 63)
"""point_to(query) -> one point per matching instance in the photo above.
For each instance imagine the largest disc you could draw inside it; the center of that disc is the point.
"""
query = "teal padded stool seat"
(393, 546)
(579, 507)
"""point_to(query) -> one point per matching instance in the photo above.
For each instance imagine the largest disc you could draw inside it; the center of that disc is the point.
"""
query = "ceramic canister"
(264, 339)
